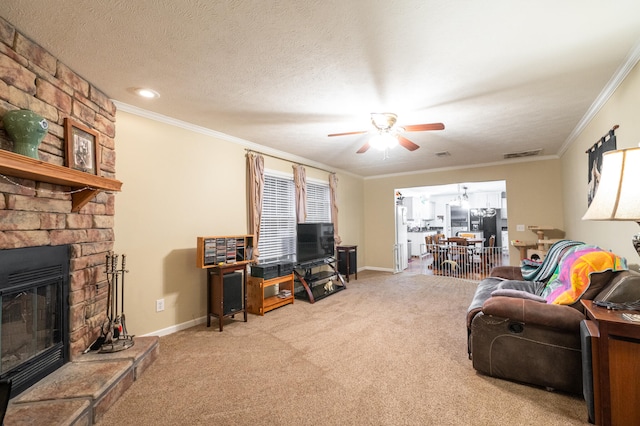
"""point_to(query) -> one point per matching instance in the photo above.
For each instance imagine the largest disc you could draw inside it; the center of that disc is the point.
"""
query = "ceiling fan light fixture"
(383, 141)
(383, 120)
(387, 135)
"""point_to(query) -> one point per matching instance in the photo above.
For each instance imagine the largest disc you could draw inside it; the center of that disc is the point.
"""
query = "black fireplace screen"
(33, 330)
(29, 324)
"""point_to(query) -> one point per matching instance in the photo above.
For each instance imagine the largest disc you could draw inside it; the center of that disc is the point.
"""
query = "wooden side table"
(348, 260)
(616, 366)
(223, 300)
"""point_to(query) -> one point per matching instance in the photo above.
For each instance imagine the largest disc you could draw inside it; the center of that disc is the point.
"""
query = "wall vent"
(443, 154)
(530, 153)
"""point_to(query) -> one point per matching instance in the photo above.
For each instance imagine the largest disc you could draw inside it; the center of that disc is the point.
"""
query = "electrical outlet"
(520, 228)
(159, 305)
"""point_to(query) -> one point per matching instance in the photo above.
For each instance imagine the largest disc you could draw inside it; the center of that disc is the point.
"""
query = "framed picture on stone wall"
(81, 146)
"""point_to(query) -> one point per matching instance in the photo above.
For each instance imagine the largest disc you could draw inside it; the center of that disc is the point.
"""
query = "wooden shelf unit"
(225, 254)
(212, 251)
(21, 166)
(258, 304)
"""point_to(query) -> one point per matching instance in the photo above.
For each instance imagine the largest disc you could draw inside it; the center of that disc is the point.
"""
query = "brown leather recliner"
(518, 338)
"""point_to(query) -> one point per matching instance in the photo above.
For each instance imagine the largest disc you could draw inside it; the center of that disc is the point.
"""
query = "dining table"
(470, 241)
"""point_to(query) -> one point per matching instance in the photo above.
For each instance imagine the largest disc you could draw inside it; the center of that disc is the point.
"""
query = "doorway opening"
(476, 211)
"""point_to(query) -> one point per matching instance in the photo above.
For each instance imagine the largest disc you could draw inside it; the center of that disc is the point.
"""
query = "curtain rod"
(595, 145)
(285, 159)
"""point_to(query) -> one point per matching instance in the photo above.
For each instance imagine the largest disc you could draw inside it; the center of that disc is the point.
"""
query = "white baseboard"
(177, 327)
(375, 268)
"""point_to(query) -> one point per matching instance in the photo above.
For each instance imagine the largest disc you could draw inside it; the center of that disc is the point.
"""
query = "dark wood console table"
(616, 366)
(348, 260)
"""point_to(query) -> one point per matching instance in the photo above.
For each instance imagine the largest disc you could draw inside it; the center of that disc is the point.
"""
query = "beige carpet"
(390, 350)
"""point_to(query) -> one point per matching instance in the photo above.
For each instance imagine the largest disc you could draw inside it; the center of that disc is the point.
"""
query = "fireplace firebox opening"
(34, 329)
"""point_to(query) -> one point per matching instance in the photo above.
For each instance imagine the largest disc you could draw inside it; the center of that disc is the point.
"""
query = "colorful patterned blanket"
(573, 274)
(543, 271)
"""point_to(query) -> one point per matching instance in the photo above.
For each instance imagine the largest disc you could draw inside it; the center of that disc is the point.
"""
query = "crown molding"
(618, 77)
(121, 106)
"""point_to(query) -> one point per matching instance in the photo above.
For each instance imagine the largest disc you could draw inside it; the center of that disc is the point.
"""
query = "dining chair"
(489, 255)
(461, 254)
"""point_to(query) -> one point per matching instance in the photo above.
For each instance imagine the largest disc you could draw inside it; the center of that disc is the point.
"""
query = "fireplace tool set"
(114, 330)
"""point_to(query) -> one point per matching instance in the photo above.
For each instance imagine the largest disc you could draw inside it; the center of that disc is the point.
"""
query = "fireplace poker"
(122, 318)
(114, 318)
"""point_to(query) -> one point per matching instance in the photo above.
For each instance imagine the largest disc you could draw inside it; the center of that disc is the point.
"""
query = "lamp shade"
(618, 194)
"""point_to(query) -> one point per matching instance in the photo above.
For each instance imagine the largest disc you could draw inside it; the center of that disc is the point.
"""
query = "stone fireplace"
(43, 203)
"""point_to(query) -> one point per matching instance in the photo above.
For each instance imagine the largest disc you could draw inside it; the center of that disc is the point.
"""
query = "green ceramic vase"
(26, 129)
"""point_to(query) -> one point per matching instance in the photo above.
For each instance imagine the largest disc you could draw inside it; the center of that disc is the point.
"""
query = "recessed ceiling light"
(145, 93)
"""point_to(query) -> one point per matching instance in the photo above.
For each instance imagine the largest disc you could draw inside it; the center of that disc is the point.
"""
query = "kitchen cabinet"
(485, 199)
(409, 203)
(419, 208)
(415, 239)
(418, 242)
(429, 210)
(414, 208)
(441, 205)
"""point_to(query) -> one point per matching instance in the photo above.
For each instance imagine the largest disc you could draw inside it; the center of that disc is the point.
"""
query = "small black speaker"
(232, 293)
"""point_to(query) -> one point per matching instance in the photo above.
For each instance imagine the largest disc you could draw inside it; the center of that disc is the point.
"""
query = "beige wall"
(531, 186)
(623, 109)
(166, 203)
(179, 184)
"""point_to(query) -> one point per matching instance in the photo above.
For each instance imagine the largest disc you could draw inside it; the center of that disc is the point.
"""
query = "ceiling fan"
(387, 135)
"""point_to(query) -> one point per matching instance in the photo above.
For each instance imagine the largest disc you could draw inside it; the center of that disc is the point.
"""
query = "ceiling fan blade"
(407, 143)
(423, 127)
(363, 148)
(348, 133)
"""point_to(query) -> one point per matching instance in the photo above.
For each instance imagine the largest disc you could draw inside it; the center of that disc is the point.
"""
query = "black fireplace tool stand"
(114, 330)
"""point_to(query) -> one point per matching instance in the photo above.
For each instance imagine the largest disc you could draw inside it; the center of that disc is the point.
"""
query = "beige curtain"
(255, 187)
(333, 188)
(300, 179)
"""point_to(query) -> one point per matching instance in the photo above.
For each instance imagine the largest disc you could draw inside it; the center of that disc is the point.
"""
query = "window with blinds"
(278, 222)
(318, 202)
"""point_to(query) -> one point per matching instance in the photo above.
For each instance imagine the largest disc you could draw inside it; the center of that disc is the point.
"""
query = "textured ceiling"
(502, 75)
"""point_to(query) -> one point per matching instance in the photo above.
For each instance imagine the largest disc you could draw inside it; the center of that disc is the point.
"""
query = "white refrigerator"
(401, 250)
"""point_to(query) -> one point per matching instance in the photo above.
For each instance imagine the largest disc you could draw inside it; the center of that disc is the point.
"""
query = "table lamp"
(618, 194)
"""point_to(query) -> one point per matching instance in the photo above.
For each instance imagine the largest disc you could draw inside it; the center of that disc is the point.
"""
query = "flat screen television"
(314, 241)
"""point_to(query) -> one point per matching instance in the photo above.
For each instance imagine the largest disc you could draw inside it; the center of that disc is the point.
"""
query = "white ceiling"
(502, 75)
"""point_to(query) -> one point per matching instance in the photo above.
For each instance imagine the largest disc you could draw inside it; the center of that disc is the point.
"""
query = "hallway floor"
(423, 265)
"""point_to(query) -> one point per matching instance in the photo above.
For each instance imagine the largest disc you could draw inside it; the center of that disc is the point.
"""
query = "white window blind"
(278, 222)
(318, 202)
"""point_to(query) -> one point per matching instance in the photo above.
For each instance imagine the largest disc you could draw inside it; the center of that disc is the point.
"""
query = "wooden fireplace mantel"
(24, 167)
